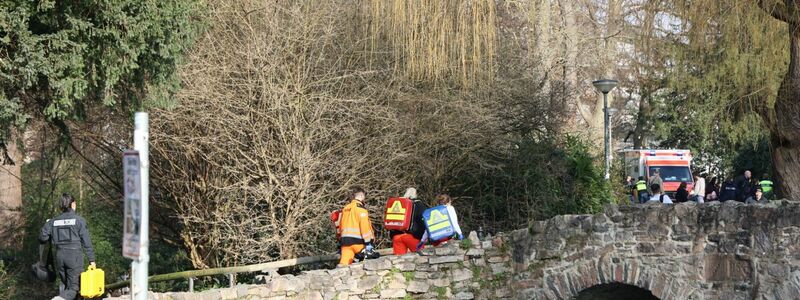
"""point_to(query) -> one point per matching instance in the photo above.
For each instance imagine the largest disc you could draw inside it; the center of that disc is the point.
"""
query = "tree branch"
(778, 10)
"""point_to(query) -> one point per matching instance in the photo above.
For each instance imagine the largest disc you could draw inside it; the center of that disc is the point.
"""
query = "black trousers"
(69, 264)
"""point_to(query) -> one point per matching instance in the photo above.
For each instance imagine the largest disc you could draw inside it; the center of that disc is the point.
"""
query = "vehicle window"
(673, 173)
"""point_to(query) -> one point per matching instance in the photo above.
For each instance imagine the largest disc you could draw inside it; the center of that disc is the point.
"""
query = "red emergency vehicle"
(674, 166)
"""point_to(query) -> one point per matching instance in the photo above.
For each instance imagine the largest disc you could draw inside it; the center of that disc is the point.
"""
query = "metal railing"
(232, 271)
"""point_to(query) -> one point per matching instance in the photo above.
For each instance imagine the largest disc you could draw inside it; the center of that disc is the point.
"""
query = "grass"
(500, 277)
(408, 276)
(441, 292)
(465, 244)
(377, 288)
(476, 271)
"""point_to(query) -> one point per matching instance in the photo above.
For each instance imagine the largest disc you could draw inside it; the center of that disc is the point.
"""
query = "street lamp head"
(604, 85)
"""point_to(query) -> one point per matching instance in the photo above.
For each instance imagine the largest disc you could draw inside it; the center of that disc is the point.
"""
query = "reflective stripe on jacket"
(354, 226)
(766, 185)
(641, 185)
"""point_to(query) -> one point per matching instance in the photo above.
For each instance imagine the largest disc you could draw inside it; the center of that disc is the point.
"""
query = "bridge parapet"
(683, 251)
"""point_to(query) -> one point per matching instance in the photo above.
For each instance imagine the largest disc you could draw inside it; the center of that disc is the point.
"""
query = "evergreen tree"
(59, 58)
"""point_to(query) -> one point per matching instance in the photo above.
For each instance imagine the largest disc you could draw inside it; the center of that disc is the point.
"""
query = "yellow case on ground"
(93, 283)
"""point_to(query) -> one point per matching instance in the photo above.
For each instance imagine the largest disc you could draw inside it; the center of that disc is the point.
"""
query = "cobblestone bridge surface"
(684, 251)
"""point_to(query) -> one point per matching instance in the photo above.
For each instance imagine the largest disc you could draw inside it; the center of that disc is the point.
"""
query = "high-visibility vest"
(641, 185)
(438, 223)
(354, 223)
(766, 185)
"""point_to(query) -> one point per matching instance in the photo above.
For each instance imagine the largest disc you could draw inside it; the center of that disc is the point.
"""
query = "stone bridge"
(651, 251)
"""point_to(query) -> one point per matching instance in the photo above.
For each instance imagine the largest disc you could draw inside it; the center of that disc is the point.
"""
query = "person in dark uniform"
(70, 235)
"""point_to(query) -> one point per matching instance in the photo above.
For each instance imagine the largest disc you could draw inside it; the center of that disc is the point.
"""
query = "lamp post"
(605, 86)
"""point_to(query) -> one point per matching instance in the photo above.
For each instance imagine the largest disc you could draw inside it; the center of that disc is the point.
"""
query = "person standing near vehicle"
(699, 189)
(682, 195)
(653, 180)
(355, 228)
(712, 190)
(630, 187)
(659, 196)
(641, 190)
(728, 191)
(69, 233)
(758, 198)
(766, 186)
(744, 186)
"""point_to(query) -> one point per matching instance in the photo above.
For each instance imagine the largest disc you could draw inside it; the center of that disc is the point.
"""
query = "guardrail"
(232, 271)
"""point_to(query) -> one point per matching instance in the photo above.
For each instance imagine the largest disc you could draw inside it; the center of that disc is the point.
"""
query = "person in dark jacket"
(712, 190)
(758, 198)
(69, 233)
(728, 191)
(744, 186)
(402, 242)
(682, 195)
(630, 187)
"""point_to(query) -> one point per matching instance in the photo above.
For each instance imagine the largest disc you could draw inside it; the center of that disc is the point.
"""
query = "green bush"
(43, 182)
(8, 282)
(538, 179)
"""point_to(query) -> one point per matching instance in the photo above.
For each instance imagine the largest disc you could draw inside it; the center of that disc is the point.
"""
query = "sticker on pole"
(132, 182)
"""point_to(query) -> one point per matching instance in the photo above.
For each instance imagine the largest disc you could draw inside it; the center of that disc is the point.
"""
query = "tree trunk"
(608, 57)
(785, 130)
(569, 46)
(11, 198)
(640, 130)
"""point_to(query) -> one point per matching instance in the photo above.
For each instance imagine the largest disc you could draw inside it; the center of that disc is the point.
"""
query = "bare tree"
(280, 114)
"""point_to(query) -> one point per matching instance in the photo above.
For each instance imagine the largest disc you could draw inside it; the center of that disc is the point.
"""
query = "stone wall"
(467, 269)
(684, 251)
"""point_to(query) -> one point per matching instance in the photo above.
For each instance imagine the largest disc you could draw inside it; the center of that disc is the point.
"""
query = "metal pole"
(606, 135)
(140, 143)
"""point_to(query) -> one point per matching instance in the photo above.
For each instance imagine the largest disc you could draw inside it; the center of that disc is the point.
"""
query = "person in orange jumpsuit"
(404, 241)
(355, 229)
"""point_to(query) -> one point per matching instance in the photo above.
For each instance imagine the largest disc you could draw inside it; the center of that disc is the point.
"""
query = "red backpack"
(398, 214)
(335, 219)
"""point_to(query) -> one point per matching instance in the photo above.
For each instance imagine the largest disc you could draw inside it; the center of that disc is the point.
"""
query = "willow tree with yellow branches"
(449, 42)
(751, 52)
(783, 119)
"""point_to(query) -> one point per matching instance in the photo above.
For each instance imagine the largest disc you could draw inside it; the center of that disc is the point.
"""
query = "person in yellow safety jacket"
(355, 229)
(766, 186)
(641, 190)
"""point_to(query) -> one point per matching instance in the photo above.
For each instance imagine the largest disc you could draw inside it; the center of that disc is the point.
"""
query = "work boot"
(58, 298)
